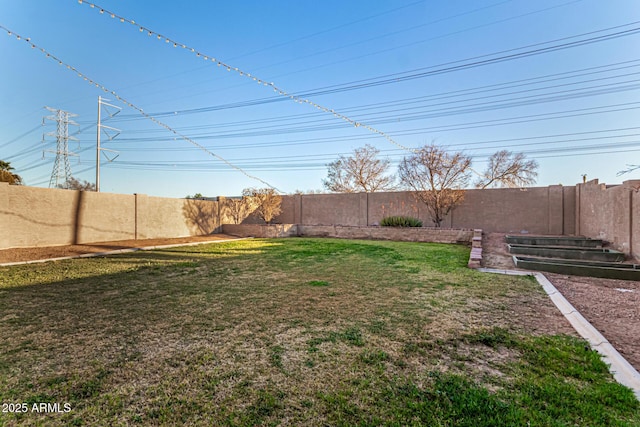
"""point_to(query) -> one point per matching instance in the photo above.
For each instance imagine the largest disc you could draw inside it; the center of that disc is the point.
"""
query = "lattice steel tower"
(61, 168)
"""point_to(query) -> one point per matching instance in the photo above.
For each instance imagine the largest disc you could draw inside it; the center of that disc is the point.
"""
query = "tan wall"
(610, 213)
(332, 209)
(537, 210)
(31, 216)
(589, 209)
(542, 210)
(162, 217)
(36, 216)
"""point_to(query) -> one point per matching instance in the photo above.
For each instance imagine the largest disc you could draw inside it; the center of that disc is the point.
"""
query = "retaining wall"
(407, 234)
(259, 230)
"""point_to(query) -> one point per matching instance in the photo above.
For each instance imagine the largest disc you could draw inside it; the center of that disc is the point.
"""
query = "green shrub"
(400, 221)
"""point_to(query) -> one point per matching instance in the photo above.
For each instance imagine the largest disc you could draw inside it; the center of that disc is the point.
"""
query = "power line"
(17, 138)
(260, 131)
(465, 109)
(297, 161)
(321, 165)
(463, 145)
(405, 101)
(229, 68)
(113, 93)
(395, 48)
(475, 61)
(378, 113)
(366, 18)
(398, 76)
(409, 29)
(44, 182)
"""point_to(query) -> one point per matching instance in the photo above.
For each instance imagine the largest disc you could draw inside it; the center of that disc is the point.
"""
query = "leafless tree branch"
(363, 171)
(437, 179)
(267, 202)
(507, 169)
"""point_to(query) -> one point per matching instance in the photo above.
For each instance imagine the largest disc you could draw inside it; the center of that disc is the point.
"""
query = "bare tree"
(362, 171)
(6, 174)
(239, 208)
(266, 201)
(74, 184)
(437, 179)
(507, 169)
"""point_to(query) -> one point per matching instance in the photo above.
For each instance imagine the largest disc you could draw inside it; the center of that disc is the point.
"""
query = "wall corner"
(5, 212)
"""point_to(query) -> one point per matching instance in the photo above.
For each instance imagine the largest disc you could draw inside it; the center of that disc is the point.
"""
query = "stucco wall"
(31, 216)
(611, 213)
(541, 210)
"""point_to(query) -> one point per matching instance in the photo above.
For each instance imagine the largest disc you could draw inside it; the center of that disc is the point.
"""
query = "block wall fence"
(32, 216)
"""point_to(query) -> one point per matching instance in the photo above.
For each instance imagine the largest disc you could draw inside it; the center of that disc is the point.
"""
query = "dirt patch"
(495, 253)
(612, 306)
(45, 252)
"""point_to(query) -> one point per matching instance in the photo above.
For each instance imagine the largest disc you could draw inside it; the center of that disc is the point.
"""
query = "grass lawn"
(293, 332)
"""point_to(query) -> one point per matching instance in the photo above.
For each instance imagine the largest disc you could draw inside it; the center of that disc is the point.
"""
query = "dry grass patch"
(293, 332)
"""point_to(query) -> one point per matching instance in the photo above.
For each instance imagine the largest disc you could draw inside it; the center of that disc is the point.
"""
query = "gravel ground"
(612, 306)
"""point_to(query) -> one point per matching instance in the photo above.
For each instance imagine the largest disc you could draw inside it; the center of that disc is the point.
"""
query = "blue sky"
(419, 71)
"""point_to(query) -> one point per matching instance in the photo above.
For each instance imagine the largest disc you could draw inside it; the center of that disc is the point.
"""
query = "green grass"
(293, 332)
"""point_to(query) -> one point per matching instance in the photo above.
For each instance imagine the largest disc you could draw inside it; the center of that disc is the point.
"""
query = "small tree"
(436, 178)
(6, 174)
(74, 184)
(266, 201)
(362, 171)
(507, 169)
(239, 208)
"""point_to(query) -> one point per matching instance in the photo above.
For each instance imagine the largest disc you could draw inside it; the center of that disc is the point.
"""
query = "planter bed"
(580, 242)
(607, 270)
(593, 254)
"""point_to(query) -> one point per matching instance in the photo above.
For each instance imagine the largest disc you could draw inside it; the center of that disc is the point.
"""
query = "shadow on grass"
(244, 333)
(58, 273)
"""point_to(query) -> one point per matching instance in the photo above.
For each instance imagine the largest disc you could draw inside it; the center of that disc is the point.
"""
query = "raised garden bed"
(609, 270)
(593, 254)
(581, 242)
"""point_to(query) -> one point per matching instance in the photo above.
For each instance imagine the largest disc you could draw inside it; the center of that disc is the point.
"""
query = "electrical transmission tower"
(61, 168)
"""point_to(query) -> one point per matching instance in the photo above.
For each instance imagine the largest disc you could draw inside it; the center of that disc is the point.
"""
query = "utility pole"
(98, 146)
(103, 128)
(61, 166)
